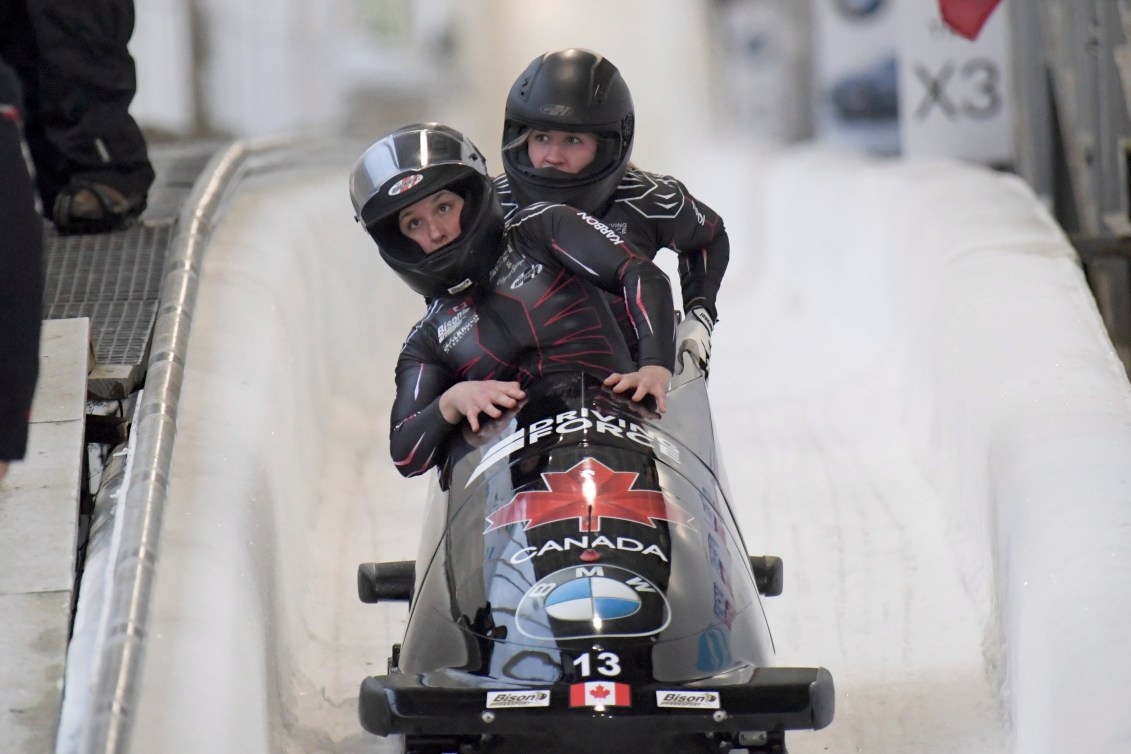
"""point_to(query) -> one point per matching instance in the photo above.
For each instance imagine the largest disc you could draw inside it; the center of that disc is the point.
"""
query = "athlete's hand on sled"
(693, 337)
(491, 429)
(474, 397)
(649, 380)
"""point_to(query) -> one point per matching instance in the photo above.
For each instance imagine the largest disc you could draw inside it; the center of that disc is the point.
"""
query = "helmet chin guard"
(409, 165)
(569, 90)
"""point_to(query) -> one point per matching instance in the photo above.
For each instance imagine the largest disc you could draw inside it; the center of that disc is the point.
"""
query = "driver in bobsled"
(567, 137)
(508, 302)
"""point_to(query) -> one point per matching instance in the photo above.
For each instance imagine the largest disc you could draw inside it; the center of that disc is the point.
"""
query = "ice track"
(916, 400)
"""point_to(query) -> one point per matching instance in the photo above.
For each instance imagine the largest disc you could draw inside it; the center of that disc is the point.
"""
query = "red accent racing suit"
(543, 308)
(651, 212)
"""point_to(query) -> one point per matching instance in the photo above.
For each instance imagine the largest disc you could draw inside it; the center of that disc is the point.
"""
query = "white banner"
(954, 97)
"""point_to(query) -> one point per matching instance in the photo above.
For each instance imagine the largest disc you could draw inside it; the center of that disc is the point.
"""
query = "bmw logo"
(587, 601)
(592, 597)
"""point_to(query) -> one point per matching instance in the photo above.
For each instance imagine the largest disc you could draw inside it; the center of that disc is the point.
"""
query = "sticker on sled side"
(600, 694)
(518, 698)
(687, 699)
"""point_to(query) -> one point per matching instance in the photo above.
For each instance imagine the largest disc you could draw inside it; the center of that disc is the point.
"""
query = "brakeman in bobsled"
(581, 583)
(568, 130)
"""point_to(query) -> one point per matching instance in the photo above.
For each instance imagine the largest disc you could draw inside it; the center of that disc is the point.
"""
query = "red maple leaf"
(589, 491)
(598, 692)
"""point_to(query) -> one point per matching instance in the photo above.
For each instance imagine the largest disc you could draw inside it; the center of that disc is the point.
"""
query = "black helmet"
(408, 165)
(569, 90)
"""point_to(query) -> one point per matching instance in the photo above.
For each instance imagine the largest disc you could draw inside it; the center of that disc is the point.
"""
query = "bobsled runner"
(582, 586)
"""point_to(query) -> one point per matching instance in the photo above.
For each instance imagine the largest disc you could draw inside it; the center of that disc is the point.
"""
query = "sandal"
(88, 207)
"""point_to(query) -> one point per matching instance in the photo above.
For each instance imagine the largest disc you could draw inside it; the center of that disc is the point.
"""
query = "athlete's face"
(567, 151)
(433, 221)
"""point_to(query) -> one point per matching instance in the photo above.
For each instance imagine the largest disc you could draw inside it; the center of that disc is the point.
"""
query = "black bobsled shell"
(582, 583)
(524, 579)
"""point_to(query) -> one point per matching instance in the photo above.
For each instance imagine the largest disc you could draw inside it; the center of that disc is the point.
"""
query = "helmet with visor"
(409, 165)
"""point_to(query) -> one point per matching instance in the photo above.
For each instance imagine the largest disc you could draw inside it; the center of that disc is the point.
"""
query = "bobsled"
(582, 585)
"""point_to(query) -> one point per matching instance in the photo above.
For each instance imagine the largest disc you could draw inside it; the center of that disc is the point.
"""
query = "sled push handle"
(386, 582)
(768, 574)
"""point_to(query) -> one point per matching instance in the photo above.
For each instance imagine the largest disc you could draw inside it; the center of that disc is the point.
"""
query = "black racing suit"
(540, 310)
(78, 79)
(651, 212)
(21, 281)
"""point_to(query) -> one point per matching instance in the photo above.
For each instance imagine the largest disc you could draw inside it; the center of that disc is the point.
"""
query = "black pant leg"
(21, 288)
(86, 82)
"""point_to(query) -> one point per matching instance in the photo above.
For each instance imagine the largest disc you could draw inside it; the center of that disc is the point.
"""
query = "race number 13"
(605, 663)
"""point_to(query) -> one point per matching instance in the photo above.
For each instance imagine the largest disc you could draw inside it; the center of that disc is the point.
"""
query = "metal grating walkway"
(111, 278)
(114, 279)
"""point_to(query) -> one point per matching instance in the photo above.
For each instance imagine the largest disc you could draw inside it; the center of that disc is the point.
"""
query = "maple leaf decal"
(589, 491)
(598, 692)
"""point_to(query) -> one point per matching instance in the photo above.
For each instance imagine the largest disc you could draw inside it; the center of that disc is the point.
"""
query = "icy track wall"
(257, 641)
(970, 297)
(952, 279)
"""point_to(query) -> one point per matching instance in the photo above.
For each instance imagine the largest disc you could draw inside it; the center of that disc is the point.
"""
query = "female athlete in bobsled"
(581, 583)
(568, 131)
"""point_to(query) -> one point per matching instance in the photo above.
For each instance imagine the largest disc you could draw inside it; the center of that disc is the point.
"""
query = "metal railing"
(106, 721)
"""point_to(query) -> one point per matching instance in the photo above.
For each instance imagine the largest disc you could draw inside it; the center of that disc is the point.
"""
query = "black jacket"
(652, 212)
(544, 308)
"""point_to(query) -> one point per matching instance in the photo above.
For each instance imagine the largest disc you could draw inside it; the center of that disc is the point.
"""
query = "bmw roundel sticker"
(404, 184)
(591, 597)
(585, 601)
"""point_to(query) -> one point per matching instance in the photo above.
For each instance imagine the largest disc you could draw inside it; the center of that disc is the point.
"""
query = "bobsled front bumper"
(774, 699)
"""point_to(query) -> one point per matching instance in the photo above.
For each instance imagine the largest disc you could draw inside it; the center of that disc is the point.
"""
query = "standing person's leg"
(19, 50)
(21, 281)
(92, 160)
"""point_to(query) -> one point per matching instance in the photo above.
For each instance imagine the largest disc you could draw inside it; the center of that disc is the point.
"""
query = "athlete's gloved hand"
(693, 337)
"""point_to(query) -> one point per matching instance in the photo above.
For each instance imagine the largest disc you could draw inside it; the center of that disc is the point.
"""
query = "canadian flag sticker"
(600, 694)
